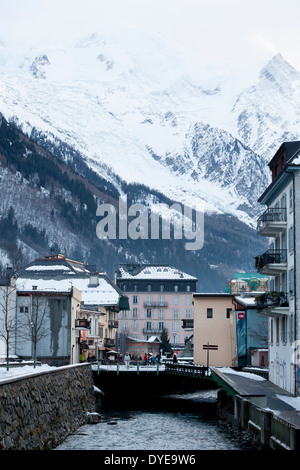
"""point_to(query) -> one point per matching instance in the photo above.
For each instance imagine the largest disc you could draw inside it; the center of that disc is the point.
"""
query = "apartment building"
(160, 296)
(280, 223)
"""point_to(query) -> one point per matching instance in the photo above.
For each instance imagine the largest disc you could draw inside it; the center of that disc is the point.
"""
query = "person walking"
(127, 360)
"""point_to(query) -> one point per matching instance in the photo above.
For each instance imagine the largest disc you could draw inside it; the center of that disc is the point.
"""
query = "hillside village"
(59, 311)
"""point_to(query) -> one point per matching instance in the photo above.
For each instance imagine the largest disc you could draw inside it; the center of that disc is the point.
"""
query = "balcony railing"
(272, 262)
(108, 342)
(188, 323)
(151, 304)
(272, 299)
(155, 331)
(82, 324)
(113, 324)
(272, 222)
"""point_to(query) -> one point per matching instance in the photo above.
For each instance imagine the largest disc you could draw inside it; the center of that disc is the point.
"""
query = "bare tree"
(260, 333)
(34, 322)
(8, 325)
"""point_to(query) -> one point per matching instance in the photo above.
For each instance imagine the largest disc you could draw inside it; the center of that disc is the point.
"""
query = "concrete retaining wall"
(38, 411)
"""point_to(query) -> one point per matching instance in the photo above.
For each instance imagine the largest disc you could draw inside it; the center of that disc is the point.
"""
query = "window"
(124, 325)
(161, 313)
(149, 299)
(161, 288)
(188, 300)
(135, 299)
(124, 287)
(23, 309)
(277, 330)
(135, 288)
(291, 198)
(291, 238)
(161, 325)
(176, 288)
(271, 331)
(228, 311)
(188, 288)
(209, 313)
(149, 325)
(291, 281)
(175, 326)
(135, 325)
(149, 313)
(134, 312)
(188, 313)
(149, 288)
(283, 330)
(175, 300)
(175, 313)
(161, 300)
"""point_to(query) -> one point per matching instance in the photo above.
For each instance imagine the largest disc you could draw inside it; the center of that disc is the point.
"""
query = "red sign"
(241, 315)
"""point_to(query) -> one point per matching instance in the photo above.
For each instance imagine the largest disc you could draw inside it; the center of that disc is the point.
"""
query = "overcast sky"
(216, 29)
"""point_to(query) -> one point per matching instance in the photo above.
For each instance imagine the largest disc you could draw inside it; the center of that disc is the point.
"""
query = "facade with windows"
(160, 296)
(76, 306)
(280, 223)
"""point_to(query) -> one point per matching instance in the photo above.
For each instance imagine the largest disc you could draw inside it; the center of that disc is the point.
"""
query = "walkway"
(261, 392)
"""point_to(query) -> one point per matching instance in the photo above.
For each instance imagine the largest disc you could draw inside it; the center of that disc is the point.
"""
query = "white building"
(281, 224)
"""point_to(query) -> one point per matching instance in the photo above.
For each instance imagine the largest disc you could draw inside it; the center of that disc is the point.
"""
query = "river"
(175, 422)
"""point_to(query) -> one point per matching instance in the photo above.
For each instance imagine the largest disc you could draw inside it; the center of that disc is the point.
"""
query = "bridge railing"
(188, 370)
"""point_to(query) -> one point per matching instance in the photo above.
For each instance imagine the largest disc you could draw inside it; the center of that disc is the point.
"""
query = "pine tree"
(165, 342)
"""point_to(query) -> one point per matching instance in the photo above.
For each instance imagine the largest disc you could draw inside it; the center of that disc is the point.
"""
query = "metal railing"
(271, 215)
(152, 304)
(271, 257)
(272, 299)
(187, 370)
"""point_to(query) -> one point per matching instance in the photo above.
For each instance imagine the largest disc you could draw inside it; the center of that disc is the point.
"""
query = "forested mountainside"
(48, 204)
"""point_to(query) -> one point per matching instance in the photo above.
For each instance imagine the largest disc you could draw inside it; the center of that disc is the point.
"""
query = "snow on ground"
(22, 371)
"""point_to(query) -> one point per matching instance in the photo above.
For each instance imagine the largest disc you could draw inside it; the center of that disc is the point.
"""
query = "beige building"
(214, 325)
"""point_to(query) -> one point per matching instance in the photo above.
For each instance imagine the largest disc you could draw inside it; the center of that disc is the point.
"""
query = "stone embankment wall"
(38, 411)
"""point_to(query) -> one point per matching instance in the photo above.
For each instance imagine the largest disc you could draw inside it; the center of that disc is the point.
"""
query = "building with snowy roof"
(81, 308)
(160, 296)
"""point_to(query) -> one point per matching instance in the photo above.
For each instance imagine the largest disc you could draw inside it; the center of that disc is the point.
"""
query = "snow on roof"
(40, 267)
(145, 272)
(247, 301)
(103, 294)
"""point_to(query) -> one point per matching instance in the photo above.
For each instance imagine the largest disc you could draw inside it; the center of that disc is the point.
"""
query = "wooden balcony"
(272, 222)
(272, 262)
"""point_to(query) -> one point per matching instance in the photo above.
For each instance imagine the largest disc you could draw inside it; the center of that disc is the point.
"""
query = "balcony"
(272, 262)
(82, 324)
(273, 303)
(272, 222)
(151, 304)
(113, 324)
(152, 331)
(188, 324)
(108, 342)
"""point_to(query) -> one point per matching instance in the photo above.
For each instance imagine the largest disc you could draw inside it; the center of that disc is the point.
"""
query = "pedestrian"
(145, 358)
(175, 359)
(127, 360)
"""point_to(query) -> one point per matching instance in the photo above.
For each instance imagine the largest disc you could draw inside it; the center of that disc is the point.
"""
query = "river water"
(174, 422)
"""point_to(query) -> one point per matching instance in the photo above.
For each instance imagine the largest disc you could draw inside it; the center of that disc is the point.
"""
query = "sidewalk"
(264, 393)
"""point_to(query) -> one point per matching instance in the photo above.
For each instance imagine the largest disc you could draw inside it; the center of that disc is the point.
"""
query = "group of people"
(150, 359)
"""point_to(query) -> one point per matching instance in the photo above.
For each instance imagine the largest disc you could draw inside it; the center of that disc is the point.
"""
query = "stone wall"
(38, 411)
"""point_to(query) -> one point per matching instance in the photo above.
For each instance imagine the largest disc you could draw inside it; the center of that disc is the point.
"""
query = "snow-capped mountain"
(138, 109)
